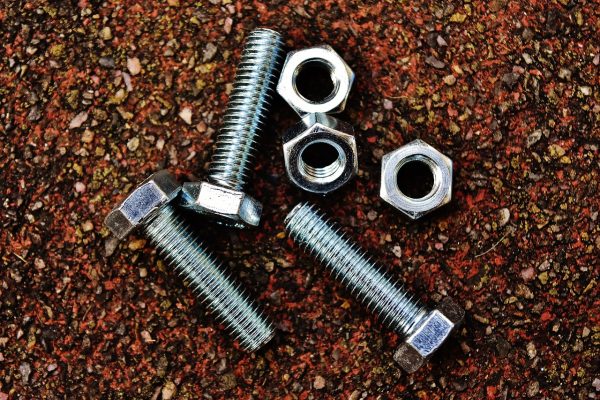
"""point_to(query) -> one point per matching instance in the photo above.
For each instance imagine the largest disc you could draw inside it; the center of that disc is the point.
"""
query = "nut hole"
(314, 81)
(321, 162)
(415, 178)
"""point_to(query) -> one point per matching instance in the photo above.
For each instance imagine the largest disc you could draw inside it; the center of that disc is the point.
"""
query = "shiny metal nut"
(342, 78)
(231, 207)
(429, 336)
(324, 130)
(159, 189)
(441, 170)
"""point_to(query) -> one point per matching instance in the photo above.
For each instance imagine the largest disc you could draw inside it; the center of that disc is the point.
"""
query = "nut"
(429, 336)
(323, 57)
(320, 153)
(438, 164)
(141, 204)
(227, 206)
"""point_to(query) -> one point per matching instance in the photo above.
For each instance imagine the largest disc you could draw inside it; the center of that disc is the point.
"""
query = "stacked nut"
(320, 156)
(320, 151)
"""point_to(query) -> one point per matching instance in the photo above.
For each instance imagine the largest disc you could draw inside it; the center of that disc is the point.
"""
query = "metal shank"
(349, 265)
(247, 110)
(176, 242)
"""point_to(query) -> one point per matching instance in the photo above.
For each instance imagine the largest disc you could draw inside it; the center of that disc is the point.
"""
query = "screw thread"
(176, 242)
(246, 113)
(347, 263)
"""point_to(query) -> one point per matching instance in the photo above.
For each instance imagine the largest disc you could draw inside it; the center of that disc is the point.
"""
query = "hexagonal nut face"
(441, 171)
(325, 57)
(320, 153)
(429, 336)
(159, 189)
(226, 206)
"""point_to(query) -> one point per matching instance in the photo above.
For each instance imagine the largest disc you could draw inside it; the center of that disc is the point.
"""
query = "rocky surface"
(94, 96)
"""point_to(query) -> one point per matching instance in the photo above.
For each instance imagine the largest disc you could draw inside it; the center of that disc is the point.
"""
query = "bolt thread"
(176, 242)
(347, 263)
(247, 110)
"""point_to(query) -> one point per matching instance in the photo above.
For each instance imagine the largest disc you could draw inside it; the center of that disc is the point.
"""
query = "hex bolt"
(150, 208)
(222, 196)
(424, 330)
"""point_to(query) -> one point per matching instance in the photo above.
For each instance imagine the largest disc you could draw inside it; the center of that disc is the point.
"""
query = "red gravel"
(509, 90)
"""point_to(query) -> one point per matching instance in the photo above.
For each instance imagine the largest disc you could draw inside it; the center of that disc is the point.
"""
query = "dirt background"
(90, 97)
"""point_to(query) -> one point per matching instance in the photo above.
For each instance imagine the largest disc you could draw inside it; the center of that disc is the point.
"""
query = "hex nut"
(227, 206)
(141, 204)
(440, 167)
(429, 335)
(324, 130)
(341, 75)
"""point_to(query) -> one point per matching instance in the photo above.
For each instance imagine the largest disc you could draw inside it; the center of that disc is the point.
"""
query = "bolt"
(222, 196)
(150, 207)
(424, 330)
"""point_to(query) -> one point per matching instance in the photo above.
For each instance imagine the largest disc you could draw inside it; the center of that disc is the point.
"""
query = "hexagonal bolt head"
(429, 336)
(227, 206)
(141, 204)
(303, 140)
(341, 75)
(441, 170)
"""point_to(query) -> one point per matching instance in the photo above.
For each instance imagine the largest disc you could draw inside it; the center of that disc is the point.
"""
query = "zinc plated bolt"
(222, 196)
(150, 208)
(424, 330)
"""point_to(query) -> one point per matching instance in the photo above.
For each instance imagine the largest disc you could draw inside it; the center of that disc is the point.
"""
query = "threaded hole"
(321, 162)
(415, 179)
(314, 81)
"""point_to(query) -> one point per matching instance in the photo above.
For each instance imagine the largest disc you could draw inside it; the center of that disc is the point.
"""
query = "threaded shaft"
(246, 113)
(176, 242)
(350, 265)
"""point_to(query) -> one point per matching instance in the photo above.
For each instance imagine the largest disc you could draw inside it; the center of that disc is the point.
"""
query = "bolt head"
(429, 336)
(141, 204)
(227, 206)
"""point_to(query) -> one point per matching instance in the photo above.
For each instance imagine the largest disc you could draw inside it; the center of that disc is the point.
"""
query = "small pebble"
(434, 62)
(25, 371)
(528, 273)
(78, 120)
(449, 80)
(87, 226)
(87, 136)
(106, 33)
(168, 390)
(319, 382)
(107, 62)
(134, 66)
(186, 115)
(503, 217)
(80, 187)
(209, 52)
(133, 143)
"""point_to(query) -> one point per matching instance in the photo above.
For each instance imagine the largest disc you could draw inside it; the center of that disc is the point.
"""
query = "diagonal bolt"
(424, 330)
(150, 208)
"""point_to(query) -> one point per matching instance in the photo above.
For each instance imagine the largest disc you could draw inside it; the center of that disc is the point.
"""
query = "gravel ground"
(94, 96)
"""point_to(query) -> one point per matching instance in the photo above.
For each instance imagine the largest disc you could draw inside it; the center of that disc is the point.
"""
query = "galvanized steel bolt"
(424, 330)
(150, 207)
(222, 196)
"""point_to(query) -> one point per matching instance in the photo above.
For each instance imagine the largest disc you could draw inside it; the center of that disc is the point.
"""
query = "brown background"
(507, 89)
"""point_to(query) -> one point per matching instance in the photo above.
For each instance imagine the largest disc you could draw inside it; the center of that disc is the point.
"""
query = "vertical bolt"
(150, 208)
(424, 330)
(222, 196)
